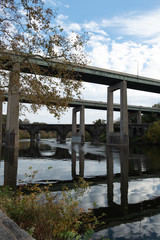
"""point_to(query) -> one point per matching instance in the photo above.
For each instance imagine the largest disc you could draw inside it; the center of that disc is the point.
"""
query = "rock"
(9, 230)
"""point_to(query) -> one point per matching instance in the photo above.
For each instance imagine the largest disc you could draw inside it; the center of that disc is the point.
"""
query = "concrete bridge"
(115, 80)
(94, 130)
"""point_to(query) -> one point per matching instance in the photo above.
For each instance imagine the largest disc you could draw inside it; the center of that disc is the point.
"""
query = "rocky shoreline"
(9, 230)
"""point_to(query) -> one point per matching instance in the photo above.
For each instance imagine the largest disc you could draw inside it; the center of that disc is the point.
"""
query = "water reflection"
(77, 154)
(10, 167)
(124, 183)
(123, 154)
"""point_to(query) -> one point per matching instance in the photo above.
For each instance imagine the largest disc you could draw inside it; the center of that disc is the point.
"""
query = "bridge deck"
(93, 74)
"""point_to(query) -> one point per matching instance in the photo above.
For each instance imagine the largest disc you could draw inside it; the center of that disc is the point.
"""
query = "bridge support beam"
(122, 137)
(139, 118)
(78, 134)
(12, 126)
(1, 134)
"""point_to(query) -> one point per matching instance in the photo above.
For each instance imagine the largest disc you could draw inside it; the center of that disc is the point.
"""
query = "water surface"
(125, 183)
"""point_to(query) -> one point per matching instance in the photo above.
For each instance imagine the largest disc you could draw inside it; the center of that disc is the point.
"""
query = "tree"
(28, 36)
(28, 28)
(151, 117)
(99, 122)
(25, 121)
(153, 133)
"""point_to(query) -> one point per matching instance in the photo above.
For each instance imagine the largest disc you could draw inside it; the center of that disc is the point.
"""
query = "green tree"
(99, 122)
(156, 105)
(26, 121)
(153, 133)
(151, 117)
(102, 137)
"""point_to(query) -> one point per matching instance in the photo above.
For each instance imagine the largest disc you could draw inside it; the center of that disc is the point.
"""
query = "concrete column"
(109, 114)
(73, 163)
(12, 126)
(139, 119)
(78, 136)
(32, 136)
(10, 167)
(0, 122)
(110, 176)
(115, 138)
(81, 162)
(82, 125)
(124, 152)
(74, 121)
(124, 138)
(62, 138)
(95, 139)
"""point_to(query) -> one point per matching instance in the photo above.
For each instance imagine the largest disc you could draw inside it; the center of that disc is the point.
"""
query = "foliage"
(150, 118)
(46, 215)
(26, 121)
(99, 122)
(23, 134)
(29, 30)
(132, 117)
(153, 133)
(48, 134)
(102, 137)
(87, 137)
(156, 105)
(4, 119)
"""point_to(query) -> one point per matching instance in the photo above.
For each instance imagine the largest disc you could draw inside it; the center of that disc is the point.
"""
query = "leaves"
(28, 30)
(45, 215)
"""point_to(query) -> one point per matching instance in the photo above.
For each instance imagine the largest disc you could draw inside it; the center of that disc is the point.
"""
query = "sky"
(124, 36)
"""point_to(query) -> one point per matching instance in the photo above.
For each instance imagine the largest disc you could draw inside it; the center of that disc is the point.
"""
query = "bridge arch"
(95, 131)
(34, 129)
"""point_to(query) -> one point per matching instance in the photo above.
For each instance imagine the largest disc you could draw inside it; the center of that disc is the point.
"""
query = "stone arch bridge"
(94, 130)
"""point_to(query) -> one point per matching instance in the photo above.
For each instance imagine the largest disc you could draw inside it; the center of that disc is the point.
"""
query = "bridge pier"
(78, 134)
(122, 137)
(139, 118)
(1, 122)
(62, 138)
(12, 126)
(95, 139)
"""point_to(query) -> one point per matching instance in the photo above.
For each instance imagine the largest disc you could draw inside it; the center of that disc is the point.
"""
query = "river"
(125, 183)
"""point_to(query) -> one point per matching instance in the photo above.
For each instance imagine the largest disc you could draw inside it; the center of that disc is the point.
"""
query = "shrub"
(46, 215)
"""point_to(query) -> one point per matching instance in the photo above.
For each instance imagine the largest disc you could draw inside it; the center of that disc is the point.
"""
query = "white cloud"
(134, 48)
(94, 27)
(144, 25)
(74, 27)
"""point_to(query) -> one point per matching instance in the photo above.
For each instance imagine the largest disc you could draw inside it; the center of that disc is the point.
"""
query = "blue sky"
(124, 36)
